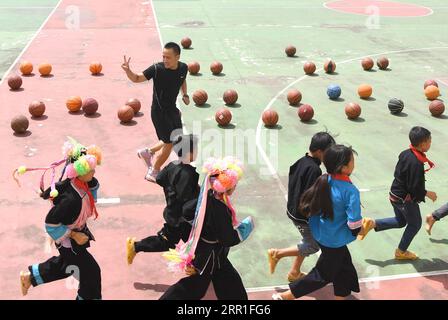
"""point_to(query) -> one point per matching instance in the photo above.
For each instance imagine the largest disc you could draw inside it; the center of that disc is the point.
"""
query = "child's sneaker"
(406, 255)
(146, 155)
(293, 277)
(130, 250)
(272, 259)
(25, 282)
(367, 225)
(277, 296)
(151, 175)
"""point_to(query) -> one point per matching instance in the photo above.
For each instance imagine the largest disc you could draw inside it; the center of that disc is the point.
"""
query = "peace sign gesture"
(125, 65)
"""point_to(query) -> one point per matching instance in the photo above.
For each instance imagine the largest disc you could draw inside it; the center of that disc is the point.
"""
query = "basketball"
(353, 110)
(367, 64)
(186, 43)
(90, 106)
(436, 108)
(330, 66)
(26, 68)
(432, 92)
(395, 105)
(305, 112)
(309, 68)
(270, 118)
(36, 108)
(134, 104)
(74, 103)
(230, 97)
(15, 82)
(382, 63)
(216, 67)
(200, 97)
(45, 69)
(294, 97)
(365, 91)
(19, 124)
(95, 68)
(334, 91)
(125, 113)
(430, 83)
(290, 51)
(223, 116)
(194, 67)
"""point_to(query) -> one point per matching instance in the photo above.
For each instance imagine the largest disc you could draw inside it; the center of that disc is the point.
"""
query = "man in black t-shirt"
(169, 77)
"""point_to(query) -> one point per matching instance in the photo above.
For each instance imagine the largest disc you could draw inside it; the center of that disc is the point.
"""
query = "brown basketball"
(125, 113)
(26, 68)
(216, 67)
(430, 83)
(309, 67)
(200, 97)
(95, 68)
(37, 108)
(194, 67)
(290, 51)
(74, 103)
(45, 69)
(432, 92)
(367, 64)
(270, 118)
(223, 116)
(436, 108)
(90, 106)
(15, 82)
(19, 124)
(365, 91)
(352, 110)
(382, 63)
(305, 112)
(134, 104)
(329, 66)
(294, 97)
(186, 43)
(230, 97)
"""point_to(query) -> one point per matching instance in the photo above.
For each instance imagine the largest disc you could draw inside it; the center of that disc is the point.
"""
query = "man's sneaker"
(146, 155)
(151, 175)
(406, 255)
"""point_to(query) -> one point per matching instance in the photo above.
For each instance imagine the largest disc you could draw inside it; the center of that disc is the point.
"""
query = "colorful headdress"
(78, 160)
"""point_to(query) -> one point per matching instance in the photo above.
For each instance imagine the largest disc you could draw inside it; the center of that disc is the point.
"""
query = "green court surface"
(249, 39)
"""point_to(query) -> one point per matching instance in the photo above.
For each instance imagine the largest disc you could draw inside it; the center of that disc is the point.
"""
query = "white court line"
(443, 82)
(29, 43)
(364, 280)
(26, 8)
(108, 201)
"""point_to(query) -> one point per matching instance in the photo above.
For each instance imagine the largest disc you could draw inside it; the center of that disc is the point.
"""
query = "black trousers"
(166, 238)
(226, 281)
(334, 266)
(82, 265)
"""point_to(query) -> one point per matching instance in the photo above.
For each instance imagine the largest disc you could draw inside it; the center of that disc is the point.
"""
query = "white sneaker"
(151, 175)
(146, 156)
(277, 296)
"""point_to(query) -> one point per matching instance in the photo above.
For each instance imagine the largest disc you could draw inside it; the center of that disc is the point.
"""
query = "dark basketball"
(367, 64)
(194, 67)
(125, 113)
(19, 124)
(395, 105)
(230, 97)
(437, 108)
(15, 82)
(290, 51)
(309, 68)
(294, 97)
(382, 63)
(430, 83)
(90, 106)
(305, 112)
(352, 110)
(330, 66)
(223, 116)
(186, 43)
(216, 67)
(270, 118)
(200, 97)
(134, 104)
(36, 108)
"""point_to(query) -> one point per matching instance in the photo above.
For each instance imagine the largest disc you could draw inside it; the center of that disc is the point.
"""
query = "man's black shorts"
(165, 122)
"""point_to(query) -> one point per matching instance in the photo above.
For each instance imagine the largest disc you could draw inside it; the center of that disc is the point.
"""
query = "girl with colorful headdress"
(72, 204)
(215, 229)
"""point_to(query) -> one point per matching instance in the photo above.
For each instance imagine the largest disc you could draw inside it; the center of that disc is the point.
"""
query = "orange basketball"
(223, 116)
(134, 104)
(36, 109)
(45, 69)
(19, 124)
(353, 110)
(95, 68)
(194, 67)
(290, 51)
(186, 43)
(294, 97)
(432, 92)
(74, 103)
(26, 68)
(305, 112)
(200, 97)
(270, 118)
(230, 97)
(125, 113)
(216, 67)
(309, 67)
(329, 66)
(365, 91)
(437, 108)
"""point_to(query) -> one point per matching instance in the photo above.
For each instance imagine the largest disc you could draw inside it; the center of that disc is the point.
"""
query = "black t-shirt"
(167, 84)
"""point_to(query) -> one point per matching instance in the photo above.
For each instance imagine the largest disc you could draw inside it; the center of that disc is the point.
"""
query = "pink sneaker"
(146, 156)
(151, 175)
